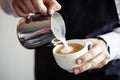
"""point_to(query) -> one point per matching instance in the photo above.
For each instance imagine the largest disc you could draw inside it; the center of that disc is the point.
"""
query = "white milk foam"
(66, 50)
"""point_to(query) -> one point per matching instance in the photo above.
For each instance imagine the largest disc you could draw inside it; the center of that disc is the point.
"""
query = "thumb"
(54, 6)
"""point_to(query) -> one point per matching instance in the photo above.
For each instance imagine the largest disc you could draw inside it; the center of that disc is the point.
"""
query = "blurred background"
(16, 62)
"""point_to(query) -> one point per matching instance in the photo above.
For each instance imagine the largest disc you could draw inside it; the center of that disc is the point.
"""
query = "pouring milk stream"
(59, 31)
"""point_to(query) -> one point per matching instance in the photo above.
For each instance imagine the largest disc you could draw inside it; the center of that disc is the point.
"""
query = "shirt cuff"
(112, 40)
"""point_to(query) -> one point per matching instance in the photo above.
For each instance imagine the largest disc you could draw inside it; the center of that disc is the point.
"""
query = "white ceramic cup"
(68, 61)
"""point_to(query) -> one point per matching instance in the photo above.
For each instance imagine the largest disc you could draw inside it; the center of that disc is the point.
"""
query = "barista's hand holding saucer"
(24, 7)
(96, 57)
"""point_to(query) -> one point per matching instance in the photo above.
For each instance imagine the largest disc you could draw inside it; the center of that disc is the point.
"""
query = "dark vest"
(88, 18)
(83, 19)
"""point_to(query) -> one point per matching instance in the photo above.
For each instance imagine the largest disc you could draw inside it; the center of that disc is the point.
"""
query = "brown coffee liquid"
(76, 47)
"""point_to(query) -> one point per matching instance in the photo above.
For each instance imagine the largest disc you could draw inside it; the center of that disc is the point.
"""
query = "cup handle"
(89, 45)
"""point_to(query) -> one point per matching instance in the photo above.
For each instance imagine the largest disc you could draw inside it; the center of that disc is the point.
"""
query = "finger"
(82, 68)
(54, 6)
(29, 5)
(88, 66)
(96, 50)
(40, 6)
(22, 6)
(19, 12)
(103, 63)
(98, 60)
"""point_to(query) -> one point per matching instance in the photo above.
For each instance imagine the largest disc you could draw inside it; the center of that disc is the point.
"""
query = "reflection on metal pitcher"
(35, 30)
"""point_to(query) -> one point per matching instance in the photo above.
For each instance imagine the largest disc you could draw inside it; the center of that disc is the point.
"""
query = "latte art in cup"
(66, 50)
(74, 47)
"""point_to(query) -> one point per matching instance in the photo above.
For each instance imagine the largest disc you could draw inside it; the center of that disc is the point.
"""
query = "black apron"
(83, 19)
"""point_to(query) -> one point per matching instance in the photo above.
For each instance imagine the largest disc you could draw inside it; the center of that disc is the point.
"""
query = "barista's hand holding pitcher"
(24, 7)
(96, 57)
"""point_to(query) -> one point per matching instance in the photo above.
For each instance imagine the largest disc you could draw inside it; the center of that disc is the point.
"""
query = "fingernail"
(79, 61)
(76, 71)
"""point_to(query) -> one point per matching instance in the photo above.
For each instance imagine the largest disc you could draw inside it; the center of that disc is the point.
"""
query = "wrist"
(107, 46)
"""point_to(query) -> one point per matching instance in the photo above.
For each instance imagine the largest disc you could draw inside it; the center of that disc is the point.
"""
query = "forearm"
(112, 40)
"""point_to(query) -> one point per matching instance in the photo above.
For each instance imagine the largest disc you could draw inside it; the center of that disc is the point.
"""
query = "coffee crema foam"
(74, 47)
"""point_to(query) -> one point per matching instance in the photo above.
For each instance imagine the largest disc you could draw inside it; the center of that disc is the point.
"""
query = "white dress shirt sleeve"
(113, 40)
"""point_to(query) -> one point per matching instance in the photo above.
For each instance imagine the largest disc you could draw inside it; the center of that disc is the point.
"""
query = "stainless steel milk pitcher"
(35, 31)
